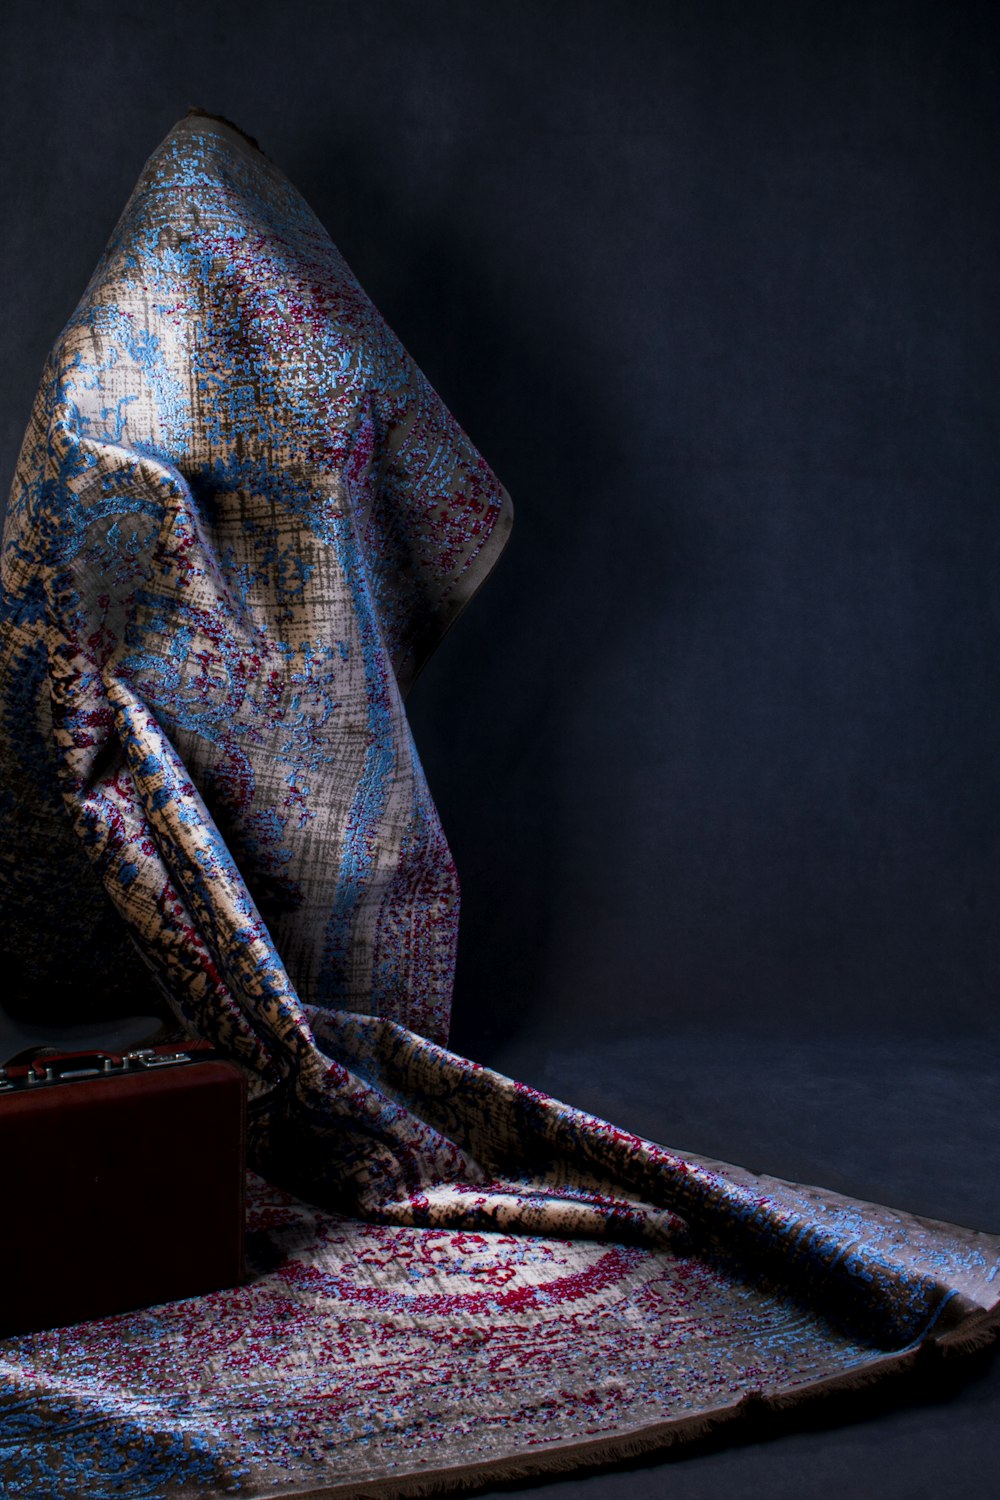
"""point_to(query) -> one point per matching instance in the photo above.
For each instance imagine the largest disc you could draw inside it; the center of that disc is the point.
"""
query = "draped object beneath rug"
(241, 520)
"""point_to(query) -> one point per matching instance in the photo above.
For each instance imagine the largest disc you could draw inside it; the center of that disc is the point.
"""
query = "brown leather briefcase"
(122, 1178)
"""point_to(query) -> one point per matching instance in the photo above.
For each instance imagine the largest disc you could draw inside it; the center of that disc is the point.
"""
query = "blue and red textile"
(241, 520)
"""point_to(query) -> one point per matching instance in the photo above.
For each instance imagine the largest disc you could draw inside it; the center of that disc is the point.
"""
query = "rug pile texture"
(241, 520)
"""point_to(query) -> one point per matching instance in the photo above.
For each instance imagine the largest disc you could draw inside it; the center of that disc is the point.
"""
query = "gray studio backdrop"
(714, 289)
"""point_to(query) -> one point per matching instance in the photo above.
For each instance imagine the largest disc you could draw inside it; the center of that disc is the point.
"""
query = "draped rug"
(241, 520)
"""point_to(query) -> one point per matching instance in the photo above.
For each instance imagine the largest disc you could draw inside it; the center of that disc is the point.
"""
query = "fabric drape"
(241, 520)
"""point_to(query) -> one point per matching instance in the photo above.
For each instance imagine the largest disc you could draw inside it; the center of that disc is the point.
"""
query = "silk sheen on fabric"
(241, 520)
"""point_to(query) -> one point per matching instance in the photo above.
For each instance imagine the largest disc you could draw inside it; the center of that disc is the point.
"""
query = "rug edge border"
(601, 1452)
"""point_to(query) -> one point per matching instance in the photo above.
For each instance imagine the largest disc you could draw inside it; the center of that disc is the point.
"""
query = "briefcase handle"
(66, 1067)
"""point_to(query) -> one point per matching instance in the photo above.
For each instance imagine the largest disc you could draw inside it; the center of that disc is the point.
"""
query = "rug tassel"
(975, 1333)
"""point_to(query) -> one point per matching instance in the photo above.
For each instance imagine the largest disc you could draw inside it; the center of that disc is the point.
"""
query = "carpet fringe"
(599, 1453)
(974, 1333)
(577, 1458)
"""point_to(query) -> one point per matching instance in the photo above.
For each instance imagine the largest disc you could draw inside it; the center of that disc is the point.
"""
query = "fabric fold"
(241, 520)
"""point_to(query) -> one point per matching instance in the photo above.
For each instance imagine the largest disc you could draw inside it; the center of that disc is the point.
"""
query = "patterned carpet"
(362, 1358)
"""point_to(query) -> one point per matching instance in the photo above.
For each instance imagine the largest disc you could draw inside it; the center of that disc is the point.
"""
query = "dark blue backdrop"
(713, 286)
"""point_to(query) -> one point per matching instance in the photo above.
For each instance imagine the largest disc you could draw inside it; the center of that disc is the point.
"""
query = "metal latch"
(146, 1057)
